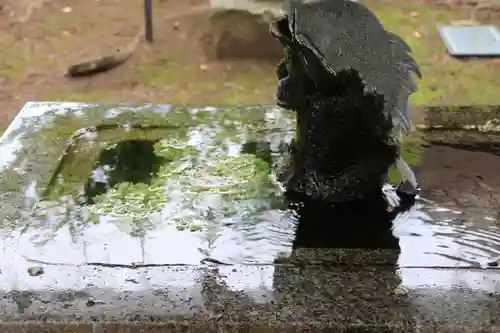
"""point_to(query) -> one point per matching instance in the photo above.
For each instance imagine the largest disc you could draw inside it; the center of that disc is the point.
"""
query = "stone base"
(239, 29)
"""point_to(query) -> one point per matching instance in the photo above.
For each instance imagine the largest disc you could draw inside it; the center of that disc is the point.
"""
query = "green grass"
(159, 74)
(247, 84)
(445, 80)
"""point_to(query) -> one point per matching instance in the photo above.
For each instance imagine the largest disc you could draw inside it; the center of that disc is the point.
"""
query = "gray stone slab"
(482, 118)
(285, 297)
(471, 41)
(105, 276)
(255, 7)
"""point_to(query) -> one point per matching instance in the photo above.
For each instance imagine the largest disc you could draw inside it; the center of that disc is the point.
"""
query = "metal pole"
(148, 20)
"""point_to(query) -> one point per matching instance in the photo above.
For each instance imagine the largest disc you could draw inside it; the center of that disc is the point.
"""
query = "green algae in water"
(59, 204)
(185, 174)
(184, 179)
(172, 121)
(74, 169)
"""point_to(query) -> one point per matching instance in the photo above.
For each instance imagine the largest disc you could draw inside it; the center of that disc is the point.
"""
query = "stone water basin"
(157, 217)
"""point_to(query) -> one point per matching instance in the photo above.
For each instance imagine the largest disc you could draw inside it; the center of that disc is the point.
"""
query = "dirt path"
(40, 38)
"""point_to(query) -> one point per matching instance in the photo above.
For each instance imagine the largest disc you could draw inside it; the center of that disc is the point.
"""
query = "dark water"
(132, 161)
(226, 210)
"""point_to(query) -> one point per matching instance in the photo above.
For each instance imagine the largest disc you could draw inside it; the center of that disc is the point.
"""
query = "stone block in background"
(239, 29)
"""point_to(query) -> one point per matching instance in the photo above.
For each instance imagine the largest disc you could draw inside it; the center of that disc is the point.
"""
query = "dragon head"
(302, 73)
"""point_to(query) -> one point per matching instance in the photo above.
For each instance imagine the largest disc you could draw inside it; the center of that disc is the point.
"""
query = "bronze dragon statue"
(348, 80)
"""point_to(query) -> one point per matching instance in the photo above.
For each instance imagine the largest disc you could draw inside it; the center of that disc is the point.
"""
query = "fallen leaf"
(417, 34)
(92, 302)
(67, 9)
(400, 291)
(35, 271)
(414, 14)
(204, 67)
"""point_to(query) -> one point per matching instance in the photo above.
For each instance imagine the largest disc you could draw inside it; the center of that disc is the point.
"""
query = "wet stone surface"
(459, 167)
(158, 218)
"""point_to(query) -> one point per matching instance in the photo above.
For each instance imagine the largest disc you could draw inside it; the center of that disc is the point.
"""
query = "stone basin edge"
(484, 118)
(298, 299)
(476, 118)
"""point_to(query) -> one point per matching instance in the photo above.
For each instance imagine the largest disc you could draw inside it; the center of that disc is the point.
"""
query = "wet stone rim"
(479, 118)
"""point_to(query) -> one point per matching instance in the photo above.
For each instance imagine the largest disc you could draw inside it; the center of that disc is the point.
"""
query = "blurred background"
(207, 51)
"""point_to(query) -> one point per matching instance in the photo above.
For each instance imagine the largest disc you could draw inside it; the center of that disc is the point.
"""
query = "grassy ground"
(36, 51)
(446, 80)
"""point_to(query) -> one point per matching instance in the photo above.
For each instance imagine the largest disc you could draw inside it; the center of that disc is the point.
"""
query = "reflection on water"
(196, 193)
(129, 161)
(32, 116)
(434, 236)
(207, 192)
(428, 236)
(167, 202)
(132, 212)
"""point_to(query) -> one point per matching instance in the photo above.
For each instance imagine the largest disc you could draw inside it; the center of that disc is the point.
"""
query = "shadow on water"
(365, 224)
